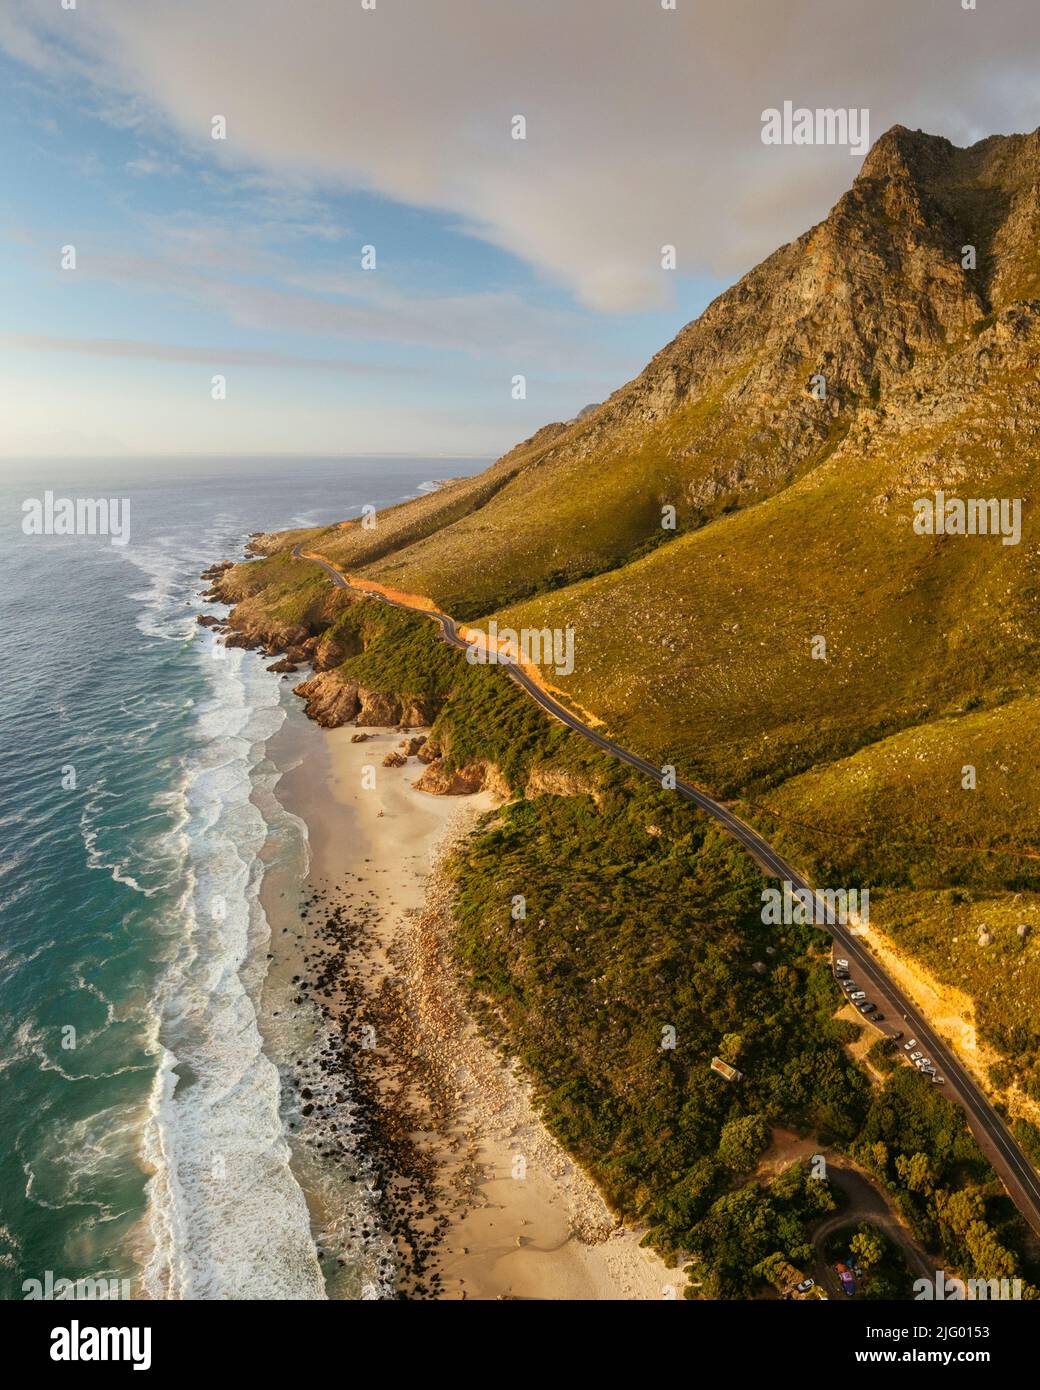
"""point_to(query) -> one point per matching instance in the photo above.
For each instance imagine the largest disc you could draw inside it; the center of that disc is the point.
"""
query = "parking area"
(883, 1016)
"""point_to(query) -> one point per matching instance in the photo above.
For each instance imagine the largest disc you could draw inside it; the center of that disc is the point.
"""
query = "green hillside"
(792, 643)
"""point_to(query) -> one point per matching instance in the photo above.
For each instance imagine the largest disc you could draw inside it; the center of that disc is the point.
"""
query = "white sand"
(538, 1229)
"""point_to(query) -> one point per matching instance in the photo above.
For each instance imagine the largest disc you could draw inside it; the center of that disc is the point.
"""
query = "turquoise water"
(140, 1134)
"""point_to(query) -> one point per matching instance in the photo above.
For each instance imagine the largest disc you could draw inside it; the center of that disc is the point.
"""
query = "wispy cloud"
(643, 124)
(214, 357)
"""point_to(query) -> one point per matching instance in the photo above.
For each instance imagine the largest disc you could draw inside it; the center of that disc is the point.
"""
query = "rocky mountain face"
(857, 297)
(912, 303)
(929, 243)
(794, 645)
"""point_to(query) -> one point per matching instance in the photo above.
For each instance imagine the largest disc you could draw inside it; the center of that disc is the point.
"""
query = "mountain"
(794, 643)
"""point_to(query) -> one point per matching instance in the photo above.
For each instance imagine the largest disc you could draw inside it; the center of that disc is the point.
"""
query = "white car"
(858, 994)
(908, 1045)
(916, 1056)
(842, 964)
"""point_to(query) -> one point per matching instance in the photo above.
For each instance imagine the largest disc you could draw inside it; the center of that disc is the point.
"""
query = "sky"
(390, 124)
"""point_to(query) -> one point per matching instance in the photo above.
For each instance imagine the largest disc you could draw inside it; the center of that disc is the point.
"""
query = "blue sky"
(392, 127)
(185, 269)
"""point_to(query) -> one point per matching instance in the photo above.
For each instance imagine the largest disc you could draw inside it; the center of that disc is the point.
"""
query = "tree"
(915, 1172)
(868, 1247)
(742, 1141)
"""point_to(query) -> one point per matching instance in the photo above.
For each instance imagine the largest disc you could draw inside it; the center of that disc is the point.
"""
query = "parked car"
(916, 1056)
(805, 1285)
(908, 1045)
(842, 963)
(896, 1036)
(938, 1080)
(878, 1018)
(858, 994)
(867, 1007)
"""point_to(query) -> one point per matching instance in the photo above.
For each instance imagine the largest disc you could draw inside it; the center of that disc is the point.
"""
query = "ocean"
(142, 1121)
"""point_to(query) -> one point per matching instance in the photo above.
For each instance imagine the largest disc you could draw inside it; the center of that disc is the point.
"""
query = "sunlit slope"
(701, 653)
(724, 415)
(952, 802)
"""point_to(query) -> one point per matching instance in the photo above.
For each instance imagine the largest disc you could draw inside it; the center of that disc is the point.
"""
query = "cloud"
(643, 124)
(362, 308)
(151, 164)
(209, 356)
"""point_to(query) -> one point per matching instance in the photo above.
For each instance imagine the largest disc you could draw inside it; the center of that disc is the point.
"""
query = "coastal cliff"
(745, 499)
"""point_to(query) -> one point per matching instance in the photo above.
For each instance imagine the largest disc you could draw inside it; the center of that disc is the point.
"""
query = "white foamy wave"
(71, 1159)
(227, 1217)
(10, 1248)
(98, 860)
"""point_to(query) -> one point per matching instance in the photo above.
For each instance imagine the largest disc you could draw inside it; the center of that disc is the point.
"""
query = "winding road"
(989, 1129)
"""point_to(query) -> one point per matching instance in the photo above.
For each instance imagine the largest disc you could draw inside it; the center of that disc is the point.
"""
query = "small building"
(724, 1069)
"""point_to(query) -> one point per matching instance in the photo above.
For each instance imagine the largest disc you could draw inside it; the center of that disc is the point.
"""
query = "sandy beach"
(466, 1196)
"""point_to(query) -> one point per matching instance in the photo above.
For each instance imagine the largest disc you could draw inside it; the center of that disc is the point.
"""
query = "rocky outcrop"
(378, 710)
(333, 648)
(331, 700)
(544, 780)
(442, 780)
(410, 746)
(394, 759)
(419, 713)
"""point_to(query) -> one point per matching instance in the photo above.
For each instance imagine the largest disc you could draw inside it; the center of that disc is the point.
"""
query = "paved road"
(993, 1136)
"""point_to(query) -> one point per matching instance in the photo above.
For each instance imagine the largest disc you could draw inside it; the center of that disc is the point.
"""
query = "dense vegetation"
(612, 940)
(885, 1271)
(589, 931)
(918, 1146)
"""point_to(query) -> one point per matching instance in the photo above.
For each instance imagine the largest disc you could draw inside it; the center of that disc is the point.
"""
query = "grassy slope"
(700, 654)
(695, 648)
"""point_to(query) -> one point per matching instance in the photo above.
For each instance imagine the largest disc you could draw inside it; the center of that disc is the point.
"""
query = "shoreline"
(447, 1173)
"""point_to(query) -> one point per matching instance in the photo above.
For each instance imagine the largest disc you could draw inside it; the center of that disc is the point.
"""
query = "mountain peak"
(903, 150)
